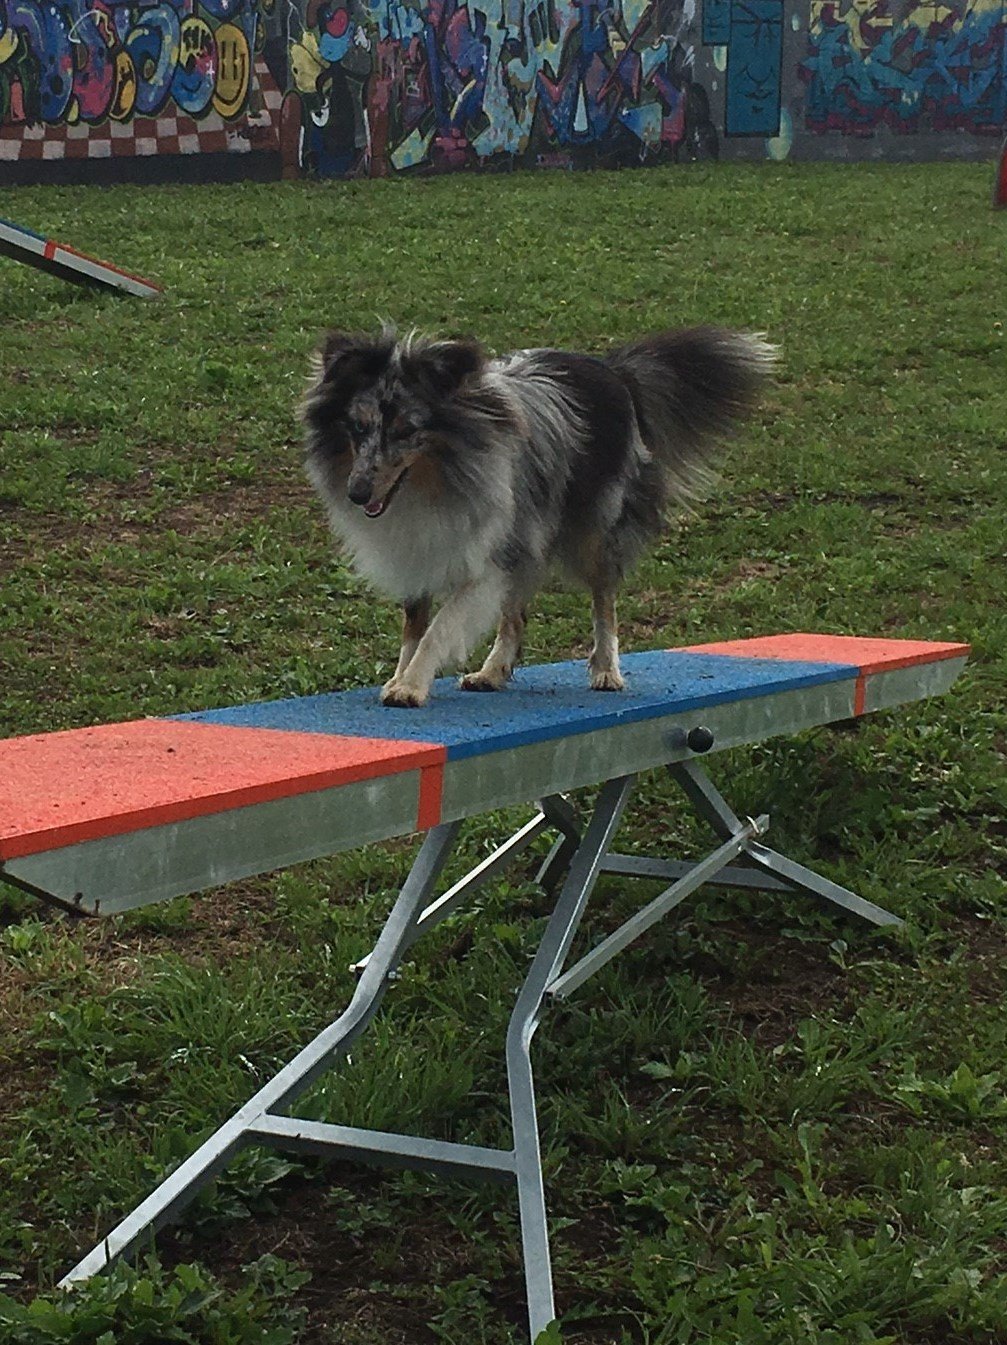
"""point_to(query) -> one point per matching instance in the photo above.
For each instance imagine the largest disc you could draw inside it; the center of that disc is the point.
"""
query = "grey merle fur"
(451, 475)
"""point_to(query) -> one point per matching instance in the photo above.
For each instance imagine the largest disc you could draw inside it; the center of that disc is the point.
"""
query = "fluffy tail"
(689, 388)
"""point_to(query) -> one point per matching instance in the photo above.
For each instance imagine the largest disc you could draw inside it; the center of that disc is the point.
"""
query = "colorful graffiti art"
(918, 67)
(392, 87)
(373, 88)
(102, 78)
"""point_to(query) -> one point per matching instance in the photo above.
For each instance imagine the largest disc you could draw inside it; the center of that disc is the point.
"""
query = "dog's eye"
(358, 426)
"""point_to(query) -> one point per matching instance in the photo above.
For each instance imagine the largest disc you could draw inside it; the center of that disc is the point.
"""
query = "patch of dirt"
(244, 502)
(985, 946)
(785, 981)
(746, 572)
(127, 511)
(366, 1285)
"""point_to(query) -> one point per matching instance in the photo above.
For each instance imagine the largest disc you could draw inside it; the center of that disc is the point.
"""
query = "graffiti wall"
(100, 83)
(397, 88)
(933, 66)
(100, 89)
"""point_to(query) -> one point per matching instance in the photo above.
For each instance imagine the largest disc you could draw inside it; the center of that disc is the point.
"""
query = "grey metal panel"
(134, 869)
(478, 784)
(139, 867)
(901, 685)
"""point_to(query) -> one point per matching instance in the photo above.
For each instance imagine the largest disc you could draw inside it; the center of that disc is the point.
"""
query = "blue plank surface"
(548, 701)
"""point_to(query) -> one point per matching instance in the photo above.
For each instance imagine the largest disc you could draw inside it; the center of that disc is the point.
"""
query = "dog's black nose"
(359, 491)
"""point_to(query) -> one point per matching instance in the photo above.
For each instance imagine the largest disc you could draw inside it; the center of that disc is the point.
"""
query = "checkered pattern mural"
(171, 132)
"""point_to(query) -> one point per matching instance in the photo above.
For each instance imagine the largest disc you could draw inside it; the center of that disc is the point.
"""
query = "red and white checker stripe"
(170, 133)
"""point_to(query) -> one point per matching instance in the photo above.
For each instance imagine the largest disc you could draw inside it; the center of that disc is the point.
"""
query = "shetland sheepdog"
(449, 475)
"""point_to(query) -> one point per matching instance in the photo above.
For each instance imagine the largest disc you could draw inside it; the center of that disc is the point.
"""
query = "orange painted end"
(58, 789)
(867, 654)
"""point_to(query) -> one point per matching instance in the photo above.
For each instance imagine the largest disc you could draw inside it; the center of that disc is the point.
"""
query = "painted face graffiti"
(88, 60)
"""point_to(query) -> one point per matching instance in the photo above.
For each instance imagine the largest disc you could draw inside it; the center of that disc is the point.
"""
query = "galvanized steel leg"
(562, 816)
(547, 963)
(711, 805)
(213, 1155)
(801, 879)
(732, 875)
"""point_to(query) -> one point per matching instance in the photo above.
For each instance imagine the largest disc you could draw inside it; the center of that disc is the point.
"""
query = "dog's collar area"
(375, 508)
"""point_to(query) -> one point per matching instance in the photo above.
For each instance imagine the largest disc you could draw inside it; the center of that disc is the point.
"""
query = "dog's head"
(377, 405)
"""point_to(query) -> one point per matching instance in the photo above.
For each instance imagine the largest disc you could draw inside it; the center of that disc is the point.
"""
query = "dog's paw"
(402, 696)
(607, 679)
(478, 681)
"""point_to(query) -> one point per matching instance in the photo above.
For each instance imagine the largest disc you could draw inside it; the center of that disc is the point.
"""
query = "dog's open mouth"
(375, 508)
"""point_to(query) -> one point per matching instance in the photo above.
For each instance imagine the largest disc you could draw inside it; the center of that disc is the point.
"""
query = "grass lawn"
(764, 1123)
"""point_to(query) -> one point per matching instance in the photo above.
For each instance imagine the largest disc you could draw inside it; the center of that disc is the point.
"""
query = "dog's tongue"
(375, 508)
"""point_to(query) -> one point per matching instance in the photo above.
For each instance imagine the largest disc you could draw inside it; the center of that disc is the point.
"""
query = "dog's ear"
(447, 364)
(344, 359)
(334, 348)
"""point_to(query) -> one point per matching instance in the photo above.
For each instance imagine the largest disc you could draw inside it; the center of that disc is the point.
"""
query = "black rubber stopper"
(699, 739)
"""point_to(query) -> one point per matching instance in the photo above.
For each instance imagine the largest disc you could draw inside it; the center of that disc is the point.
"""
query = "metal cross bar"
(382, 1148)
(734, 875)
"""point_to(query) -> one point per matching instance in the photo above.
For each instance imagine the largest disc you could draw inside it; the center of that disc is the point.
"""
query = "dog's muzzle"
(361, 492)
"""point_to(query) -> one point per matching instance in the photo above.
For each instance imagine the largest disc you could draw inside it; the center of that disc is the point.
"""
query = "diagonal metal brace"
(711, 805)
(671, 897)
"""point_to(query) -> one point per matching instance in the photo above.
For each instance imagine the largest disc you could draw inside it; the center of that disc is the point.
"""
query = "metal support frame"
(582, 858)
(772, 868)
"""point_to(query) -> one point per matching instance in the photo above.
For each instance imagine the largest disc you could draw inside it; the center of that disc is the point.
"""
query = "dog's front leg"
(499, 666)
(447, 640)
(415, 620)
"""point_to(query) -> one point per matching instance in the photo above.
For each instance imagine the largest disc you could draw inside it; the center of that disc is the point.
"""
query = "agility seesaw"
(23, 245)
(104, 819)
